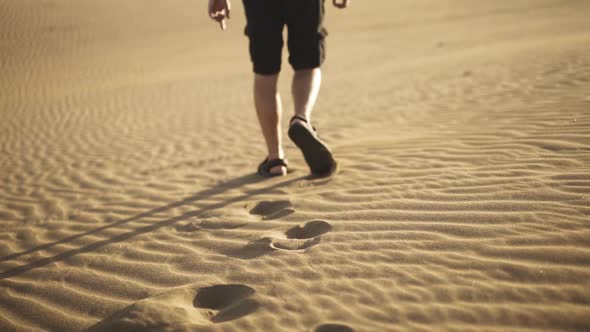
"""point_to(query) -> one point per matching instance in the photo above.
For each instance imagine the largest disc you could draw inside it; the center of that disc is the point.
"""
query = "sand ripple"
(128, 199)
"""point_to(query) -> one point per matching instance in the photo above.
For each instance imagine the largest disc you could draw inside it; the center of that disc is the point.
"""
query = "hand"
(341, 3)
(219, 10)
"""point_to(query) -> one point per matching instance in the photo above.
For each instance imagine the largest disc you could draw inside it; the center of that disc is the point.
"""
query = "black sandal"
(267, 164)
(317, 154)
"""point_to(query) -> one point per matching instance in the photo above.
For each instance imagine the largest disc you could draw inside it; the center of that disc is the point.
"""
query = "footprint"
(272, 209)
(298, 238)
(252, 250)
(218, 219)
(186, 308)
(301, 237)
(309, 230)
(226, 302)
(209, 225)
(333, 328)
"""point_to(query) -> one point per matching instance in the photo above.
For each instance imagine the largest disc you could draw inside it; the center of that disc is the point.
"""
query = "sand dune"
(128, 145)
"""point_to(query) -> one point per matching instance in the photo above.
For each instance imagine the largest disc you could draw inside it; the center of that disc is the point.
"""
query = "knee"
(307, 71)
(266, 82)
(306, 74)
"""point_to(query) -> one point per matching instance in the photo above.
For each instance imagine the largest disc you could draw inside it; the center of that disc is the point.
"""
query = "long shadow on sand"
(205, 194)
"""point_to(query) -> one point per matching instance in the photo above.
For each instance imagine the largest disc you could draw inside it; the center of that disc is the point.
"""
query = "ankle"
(298, 118)
(276, 155)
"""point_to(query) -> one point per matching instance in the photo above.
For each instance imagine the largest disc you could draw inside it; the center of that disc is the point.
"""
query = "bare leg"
(305, 89)
(269, 110)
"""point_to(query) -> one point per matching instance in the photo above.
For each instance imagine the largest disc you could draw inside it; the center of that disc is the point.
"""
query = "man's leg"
(265, 33)
(269, 110)
(306, 52)
(305, 89)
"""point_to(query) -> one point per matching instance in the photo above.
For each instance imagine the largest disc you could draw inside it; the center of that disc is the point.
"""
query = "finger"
(223, 24)
(227, 8)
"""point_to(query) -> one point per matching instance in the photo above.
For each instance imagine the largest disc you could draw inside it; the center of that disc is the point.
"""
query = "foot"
(278, 170)
(300, 120)
(273, 167)
(317, 154)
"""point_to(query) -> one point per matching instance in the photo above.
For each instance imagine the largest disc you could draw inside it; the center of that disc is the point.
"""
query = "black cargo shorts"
(306, 34)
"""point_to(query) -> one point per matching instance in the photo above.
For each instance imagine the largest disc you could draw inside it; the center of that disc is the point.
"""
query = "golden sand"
(128, 200)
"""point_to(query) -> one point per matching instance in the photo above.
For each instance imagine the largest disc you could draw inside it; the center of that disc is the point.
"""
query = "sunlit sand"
(129, 145)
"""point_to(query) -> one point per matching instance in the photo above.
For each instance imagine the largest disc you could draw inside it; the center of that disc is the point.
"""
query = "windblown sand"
(128, 199)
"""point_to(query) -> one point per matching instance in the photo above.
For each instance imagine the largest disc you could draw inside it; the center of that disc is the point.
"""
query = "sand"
(128, 199)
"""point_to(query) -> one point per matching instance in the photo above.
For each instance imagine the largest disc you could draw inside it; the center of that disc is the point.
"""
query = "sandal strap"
(302, 119)
(298, 118)
(267, 164)
(276, 162)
